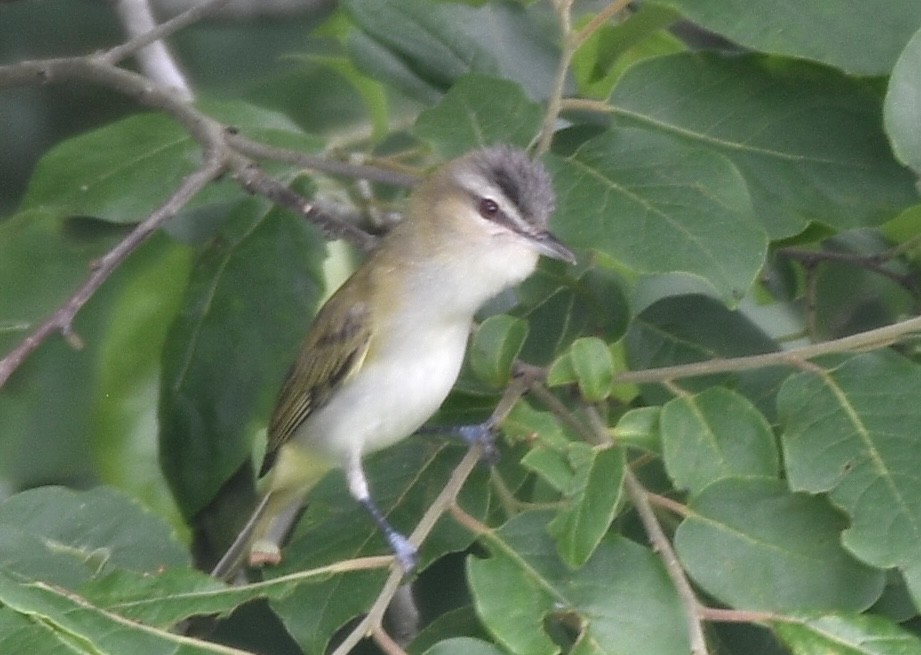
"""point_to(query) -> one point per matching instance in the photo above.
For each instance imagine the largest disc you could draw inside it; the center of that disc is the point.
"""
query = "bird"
(384, 351)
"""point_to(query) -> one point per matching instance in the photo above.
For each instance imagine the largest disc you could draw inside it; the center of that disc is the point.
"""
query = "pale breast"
(398, 389)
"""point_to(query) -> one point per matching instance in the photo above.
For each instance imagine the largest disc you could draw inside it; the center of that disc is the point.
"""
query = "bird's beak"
(550, 246)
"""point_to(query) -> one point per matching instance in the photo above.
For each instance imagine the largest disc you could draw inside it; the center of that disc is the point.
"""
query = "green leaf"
(845, 634)
(639, 428)
(247, 306)
(479, 111)
(65, 537)
(124, 419)
(124, 170)
(713, 435)
(612, 48)
(593, 504)
(423, 47)
(903, 105)
(118, 173)
(755, 546)
(527, 424)
(620, 601)
(82, 627)
(850, 432)
(594, 368)
(61, 249)
(814, 30)
(656, 206)
(495, 346)
(807, 140)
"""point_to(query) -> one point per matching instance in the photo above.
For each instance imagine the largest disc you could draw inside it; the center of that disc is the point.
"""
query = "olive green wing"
(332, 352)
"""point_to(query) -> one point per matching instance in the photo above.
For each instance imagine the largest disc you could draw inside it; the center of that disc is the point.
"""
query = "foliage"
(717, 451)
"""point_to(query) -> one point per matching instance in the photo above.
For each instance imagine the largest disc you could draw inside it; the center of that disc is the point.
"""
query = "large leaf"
(863, 37)
(479, 111)
(903, 104)
(423, 47)
(754, 545)
(65, 537)
(657, 206)
(118, 173)
(715, 434)
(124, 412)
(851, 432)
(807, 140)
(247, 306)
(621, 601)
(122, 171)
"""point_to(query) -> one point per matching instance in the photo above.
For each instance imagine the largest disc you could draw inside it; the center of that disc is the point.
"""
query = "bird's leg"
(483, 434)
(406, 554)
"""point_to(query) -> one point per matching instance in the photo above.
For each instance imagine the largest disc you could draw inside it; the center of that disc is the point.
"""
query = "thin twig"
(572, 41)
(869, 340)
(253, 179)
(597, 21)
(662, 546)
(258, 150)
(62, 319)
(385, 642)
(555, 99)
(155, 58)
(875, 263)
(671, 505)
(178, 22)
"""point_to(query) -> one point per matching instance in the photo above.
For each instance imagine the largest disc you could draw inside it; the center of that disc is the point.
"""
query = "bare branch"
(186, 18)
(662, 546)
(220, 156)
(63, 317)
(258, 150)
(155, 59)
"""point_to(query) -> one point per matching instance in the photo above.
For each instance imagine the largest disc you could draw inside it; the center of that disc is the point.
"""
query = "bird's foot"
(482, 434)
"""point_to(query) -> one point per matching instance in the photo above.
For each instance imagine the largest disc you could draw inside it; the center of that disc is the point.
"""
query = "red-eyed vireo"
(384, 351)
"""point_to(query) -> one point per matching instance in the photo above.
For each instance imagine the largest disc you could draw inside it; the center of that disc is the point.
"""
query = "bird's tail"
(236, 554)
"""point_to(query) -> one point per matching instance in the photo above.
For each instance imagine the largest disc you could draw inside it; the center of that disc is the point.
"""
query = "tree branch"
(155, 58)
(660, 544)
(869, 340)
(217, 142)
(178, 22)
(62, 319)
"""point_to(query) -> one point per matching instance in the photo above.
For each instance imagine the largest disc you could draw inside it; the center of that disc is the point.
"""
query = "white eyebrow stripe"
(482, 187)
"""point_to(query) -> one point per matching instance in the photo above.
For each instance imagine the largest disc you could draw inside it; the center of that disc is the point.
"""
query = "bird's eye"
(489, 208)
